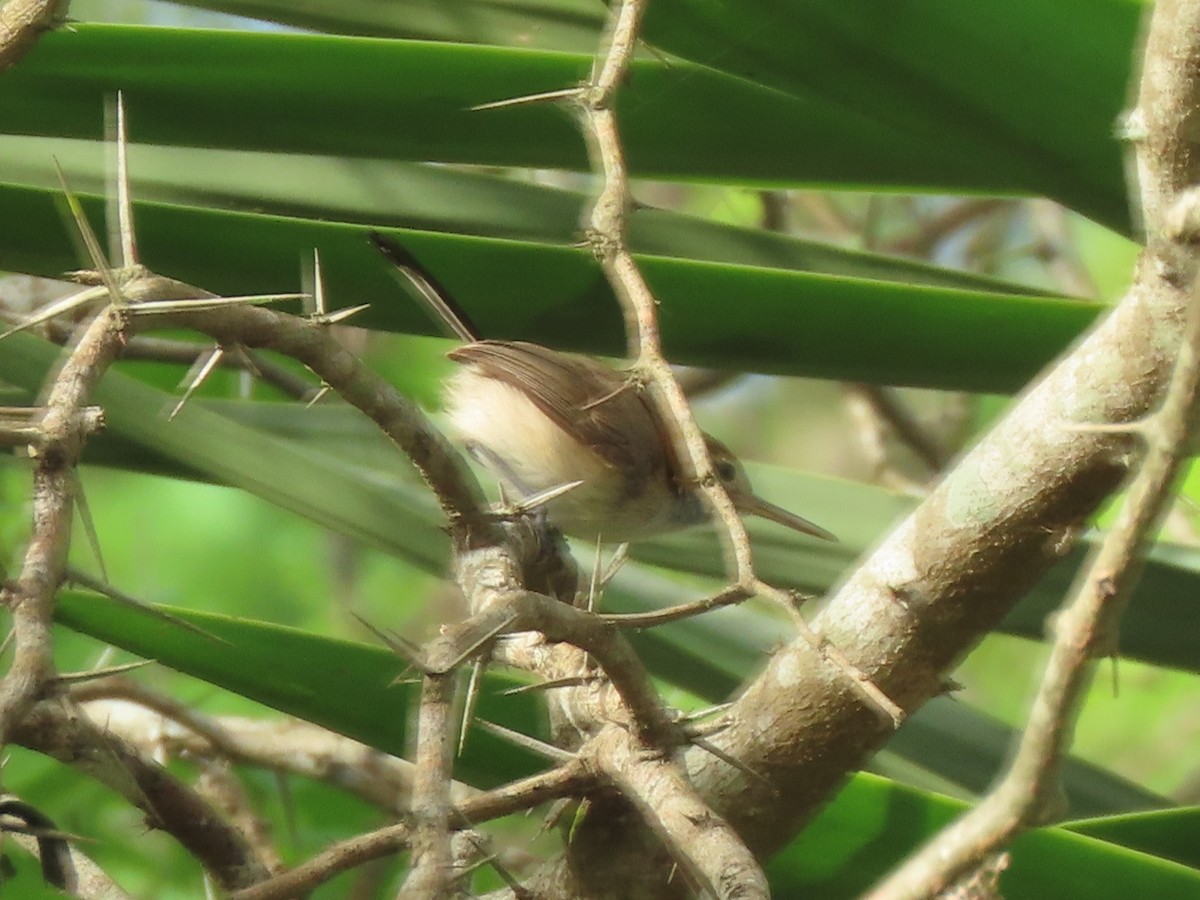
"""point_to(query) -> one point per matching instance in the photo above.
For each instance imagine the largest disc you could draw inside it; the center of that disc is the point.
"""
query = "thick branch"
(1086, 629)
(952, 570)
(1167, 119)
(704, 845)
(432, 874)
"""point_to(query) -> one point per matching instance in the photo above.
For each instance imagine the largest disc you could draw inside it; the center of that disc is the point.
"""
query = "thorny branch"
(30, 598)
(566, 780)
(660, 791)
(959, 562)
(560, 642)
(63, 426)
(56, 443)
(701, 842)
(558, 623)
(175, 304)
(881, 412)
(942, 579)
(902, 617)
(171, 350)
(161, 726)
(311, 344)
(607, 223)
(1084, 631)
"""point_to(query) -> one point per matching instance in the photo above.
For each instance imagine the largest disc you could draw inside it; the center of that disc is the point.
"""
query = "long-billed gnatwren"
(540, 418)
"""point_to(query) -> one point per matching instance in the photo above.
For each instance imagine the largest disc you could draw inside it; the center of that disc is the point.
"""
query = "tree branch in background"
(878, 413)
(158, 724)
(168, 804)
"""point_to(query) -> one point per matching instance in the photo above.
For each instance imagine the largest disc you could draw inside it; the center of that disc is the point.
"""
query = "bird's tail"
(446, 311)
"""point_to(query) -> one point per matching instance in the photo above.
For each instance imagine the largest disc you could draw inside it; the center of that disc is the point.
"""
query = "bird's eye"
(725, 470)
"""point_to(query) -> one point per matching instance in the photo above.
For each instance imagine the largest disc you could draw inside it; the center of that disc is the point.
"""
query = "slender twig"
(724, 597)
(520, 795)
(607, 222)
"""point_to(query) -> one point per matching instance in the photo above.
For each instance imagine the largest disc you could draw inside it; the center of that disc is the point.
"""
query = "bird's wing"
(596, 405)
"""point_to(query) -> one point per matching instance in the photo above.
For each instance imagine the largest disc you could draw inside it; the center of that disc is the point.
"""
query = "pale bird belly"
(530, 453)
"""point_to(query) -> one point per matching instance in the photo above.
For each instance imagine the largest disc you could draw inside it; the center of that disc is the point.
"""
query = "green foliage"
(255, 147)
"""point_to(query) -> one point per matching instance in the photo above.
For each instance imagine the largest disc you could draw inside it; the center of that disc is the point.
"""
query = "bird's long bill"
(756, 506)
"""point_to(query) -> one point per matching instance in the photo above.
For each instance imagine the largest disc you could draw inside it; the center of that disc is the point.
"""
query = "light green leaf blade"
(874, 824)
(345, 686)
(798, 322)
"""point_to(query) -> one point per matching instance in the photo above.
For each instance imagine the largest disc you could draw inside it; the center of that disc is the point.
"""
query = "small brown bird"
(540, 418)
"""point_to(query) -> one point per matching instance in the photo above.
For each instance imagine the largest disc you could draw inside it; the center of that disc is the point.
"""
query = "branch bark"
(22, 22)
(432, 874)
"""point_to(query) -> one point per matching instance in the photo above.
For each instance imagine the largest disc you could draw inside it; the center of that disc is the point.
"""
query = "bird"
(542, 419)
